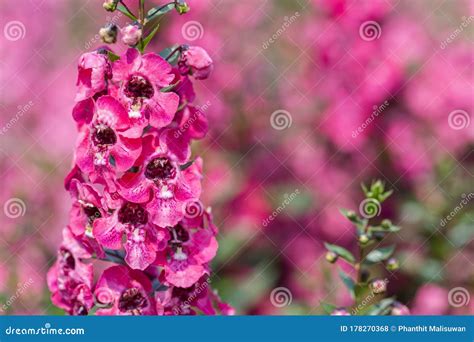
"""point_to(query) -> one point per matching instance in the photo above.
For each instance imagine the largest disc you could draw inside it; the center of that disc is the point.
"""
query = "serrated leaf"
(327, 308)
(159, 10)
(379, 254)
(347, 280)
(341, 251)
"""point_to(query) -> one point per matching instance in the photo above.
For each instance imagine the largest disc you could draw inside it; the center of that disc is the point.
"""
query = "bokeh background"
(293, 133)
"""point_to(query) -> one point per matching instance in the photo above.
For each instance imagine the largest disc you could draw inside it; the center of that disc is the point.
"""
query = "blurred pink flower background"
(307, 100)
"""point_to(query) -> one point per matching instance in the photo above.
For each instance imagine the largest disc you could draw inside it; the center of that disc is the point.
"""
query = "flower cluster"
(135, 189)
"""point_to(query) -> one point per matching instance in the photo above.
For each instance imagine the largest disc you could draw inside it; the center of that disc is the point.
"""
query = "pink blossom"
(131, 34)
(196, 62)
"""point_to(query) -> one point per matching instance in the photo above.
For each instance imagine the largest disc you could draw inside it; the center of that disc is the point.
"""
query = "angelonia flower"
(135, 189)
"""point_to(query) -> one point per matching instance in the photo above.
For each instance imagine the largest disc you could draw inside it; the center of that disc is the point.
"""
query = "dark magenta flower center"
(132, 213)
(160, 168)
(79, 309)
(181, 233)
(91, 212)
(66, 258)
(138, 86)
(103, 135)
(131, 300)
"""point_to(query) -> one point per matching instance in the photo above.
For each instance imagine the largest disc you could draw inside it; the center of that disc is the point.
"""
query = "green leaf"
(327, 308)
(112, 56)
(170, 87)
(159, 10)
(347, 280)
(185, 166)
(148, 38)
(381, 308)
(121, 8)
(166, 54)
(379, 254)
(341, 251)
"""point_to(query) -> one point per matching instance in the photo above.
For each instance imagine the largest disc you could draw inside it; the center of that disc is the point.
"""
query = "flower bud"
(364, 239)
(340, 312)
(181, 6)
(110, 5)
(351, 215)
(131, 34)
(378, 286)
(195, 61)
(331, 257)
(392, 264)
(108, 33)
(386, 224)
